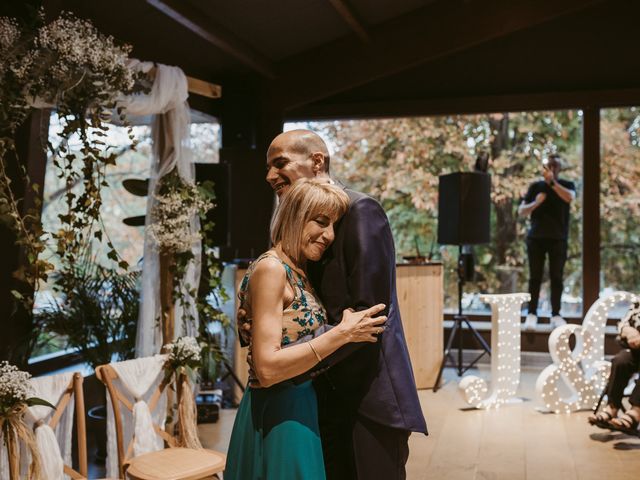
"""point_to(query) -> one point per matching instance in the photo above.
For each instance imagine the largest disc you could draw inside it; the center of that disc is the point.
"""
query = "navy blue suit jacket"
(359, 271)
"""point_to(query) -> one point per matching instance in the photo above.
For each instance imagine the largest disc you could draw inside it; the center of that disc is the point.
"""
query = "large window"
(118, 203)
(620, 200)
(399, 160)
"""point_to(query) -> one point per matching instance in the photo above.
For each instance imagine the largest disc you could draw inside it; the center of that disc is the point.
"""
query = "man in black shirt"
(548, 202)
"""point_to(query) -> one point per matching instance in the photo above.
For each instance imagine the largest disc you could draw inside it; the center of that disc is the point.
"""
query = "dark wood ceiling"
(341, 57)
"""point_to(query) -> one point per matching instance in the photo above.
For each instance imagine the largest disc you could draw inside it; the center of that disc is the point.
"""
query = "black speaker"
(251, 200)
(218, 173)
(464, 208)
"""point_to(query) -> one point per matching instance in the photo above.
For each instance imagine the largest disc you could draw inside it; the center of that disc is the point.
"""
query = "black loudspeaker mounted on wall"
(218, 173)
(464, 208)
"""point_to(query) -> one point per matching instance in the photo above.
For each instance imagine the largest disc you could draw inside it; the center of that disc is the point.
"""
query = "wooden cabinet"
(421, 297)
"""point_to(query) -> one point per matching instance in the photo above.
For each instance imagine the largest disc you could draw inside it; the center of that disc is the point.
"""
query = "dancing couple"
(331, 391)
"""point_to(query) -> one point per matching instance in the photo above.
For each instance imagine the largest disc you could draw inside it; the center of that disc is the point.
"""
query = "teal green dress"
(276, 435)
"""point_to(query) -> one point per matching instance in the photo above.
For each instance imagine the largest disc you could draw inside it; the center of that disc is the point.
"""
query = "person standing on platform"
(367, 398)
(548, 202)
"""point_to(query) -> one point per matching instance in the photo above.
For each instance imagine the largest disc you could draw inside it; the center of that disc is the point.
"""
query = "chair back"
(122, 406)
(64, 391)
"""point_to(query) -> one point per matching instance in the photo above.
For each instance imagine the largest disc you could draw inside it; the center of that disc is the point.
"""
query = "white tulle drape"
(137, 380)
(54, 445)
(170, 135)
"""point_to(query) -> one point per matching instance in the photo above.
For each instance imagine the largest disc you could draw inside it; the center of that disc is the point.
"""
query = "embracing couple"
(331, 390)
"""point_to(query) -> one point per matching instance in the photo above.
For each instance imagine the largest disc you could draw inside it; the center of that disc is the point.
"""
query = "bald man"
(368, 403)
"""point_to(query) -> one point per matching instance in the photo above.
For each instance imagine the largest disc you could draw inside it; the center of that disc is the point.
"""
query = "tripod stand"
(458, 328)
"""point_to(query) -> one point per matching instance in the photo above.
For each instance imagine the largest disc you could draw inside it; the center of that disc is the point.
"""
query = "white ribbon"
(137, 378)
(167, 101)
(52, 464)
(145, 438)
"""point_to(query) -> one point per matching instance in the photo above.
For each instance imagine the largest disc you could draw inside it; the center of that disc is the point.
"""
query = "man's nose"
(271, 175)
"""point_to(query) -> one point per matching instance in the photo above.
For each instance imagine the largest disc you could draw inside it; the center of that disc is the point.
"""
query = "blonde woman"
(276, 433)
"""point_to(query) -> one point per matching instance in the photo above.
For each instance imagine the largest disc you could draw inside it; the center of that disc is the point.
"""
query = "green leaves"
(33, 401)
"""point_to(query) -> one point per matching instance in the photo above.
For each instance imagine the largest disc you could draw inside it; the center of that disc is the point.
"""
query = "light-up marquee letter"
(583, 369)
(505, 354)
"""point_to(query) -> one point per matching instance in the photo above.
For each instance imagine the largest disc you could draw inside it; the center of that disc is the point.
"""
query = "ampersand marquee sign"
(583, 370)
(505, 354)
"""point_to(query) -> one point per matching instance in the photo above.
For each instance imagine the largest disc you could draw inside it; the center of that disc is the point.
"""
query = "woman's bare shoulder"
(269, 269)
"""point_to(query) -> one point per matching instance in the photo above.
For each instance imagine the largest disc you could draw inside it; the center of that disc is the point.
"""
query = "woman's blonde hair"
(305, 200)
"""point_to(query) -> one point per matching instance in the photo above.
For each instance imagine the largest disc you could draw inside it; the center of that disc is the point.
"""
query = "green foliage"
(620, 198)
(399, 160)
(98, 315)
(67, 64)
(178, 200)
(35, 401)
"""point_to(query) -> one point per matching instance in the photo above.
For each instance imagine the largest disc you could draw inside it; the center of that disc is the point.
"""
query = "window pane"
(398, 161)
(118, 203)
(620, 201)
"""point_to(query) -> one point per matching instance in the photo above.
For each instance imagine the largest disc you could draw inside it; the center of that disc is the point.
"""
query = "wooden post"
(591, 209)
(80, 424)
(168, 324)
(166, 298)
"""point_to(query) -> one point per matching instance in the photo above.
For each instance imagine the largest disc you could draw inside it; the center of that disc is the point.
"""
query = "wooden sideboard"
(421, 297)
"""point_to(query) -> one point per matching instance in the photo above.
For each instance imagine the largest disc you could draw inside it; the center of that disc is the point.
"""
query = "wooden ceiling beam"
(432, 32)
(468, 105)
(348, 14)
(198, 23)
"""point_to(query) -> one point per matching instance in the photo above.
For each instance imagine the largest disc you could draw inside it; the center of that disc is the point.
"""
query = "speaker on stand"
(464, 208)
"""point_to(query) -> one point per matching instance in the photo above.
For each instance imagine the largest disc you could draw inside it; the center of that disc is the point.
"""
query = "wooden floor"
(512, 443)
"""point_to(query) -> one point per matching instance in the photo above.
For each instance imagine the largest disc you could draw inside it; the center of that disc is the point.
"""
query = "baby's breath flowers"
(70, 65)
(185, 356)
(15, 391)
(81, 58)
(184, 352)
(177, 203)
(14, 387)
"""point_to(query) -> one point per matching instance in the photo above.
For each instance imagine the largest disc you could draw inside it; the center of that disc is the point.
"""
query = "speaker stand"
(458, 328)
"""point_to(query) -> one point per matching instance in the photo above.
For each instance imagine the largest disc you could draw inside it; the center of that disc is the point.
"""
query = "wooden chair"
(171, 463)
(74, 389)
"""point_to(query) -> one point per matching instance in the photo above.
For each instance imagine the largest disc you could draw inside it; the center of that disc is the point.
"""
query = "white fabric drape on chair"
(54, 445)
(138, 378)
(170, 135)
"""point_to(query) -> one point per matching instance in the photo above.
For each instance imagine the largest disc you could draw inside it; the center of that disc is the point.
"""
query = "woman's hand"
(634, 340)
(243, 325)
(631, 336)
(362, 326)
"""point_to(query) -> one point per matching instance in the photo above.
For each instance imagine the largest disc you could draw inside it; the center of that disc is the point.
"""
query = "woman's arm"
(274, 364)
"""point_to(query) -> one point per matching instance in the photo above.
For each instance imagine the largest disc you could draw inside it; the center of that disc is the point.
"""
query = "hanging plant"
(68, 65)
(179, 202)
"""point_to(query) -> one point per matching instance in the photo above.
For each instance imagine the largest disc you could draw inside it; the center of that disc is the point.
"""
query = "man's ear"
(317, 160)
